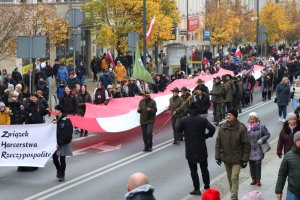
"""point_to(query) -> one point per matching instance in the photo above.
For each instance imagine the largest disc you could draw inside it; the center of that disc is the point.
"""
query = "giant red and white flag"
(150, 29)
(238, 52)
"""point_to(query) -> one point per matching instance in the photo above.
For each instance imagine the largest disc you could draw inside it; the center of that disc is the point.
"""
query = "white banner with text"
(27, 145)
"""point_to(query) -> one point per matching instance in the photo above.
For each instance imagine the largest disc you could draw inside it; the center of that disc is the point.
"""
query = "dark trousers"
(217, 111)
(282, 111)
(225, 107)
(60, 164)
(255, 169)
(147, 130)
(176, 134)
(95, 76)
(195, 176)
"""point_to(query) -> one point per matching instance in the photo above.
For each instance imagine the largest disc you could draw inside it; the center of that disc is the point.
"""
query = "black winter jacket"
(69, 102)
(64, 130)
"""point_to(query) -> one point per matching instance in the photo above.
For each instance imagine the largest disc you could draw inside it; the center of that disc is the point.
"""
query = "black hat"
(185, 89)
(234, 112)
(59, 107)
(175, 89)
(192, 109)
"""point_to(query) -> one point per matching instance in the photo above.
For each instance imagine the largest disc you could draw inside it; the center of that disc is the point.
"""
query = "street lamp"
(257, 27)
(187, 20)
(144, 31)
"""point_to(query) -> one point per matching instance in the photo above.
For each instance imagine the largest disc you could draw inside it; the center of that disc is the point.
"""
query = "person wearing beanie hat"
(290, 169)
(194, 127)
(258, 134)
(233, 148)
(289, 128)
(64, 132)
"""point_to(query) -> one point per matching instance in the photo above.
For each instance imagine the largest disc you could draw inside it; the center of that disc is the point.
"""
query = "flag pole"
(144, 31)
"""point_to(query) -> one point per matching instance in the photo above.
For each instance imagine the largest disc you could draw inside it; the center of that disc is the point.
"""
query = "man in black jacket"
(194, 127)
(202, 101)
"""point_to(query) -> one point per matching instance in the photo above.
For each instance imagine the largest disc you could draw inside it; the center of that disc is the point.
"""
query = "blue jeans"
(282, 110)
(295, 103)
(291, 196)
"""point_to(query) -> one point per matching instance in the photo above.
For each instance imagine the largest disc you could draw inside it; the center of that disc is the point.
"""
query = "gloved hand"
(244, 164)
(219, 162)
(259, 141)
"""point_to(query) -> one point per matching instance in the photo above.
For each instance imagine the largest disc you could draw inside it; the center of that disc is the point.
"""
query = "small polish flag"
(238, 52)
(150, 29)
(111, 60)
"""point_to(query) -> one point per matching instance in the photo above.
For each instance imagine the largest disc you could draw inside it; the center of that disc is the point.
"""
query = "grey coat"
(283, 94)
(258, 132)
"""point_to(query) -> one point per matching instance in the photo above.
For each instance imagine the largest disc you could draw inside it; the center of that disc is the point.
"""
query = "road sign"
(183, 32)
(206, 34)
(262, 36)
(132, 40)
(31, 46)
(74, 17)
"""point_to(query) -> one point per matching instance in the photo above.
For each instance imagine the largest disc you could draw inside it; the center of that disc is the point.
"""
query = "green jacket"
(175, 105)
(232, 144)
(229, 90)
(187, 101)
(290, 168)
(147, 117)
(217, 93)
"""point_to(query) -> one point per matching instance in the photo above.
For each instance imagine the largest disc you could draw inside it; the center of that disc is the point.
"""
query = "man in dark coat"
(139, 188)
(34, 111)
(147, 109)
(194, 127)
(202, 101)
(16, 75)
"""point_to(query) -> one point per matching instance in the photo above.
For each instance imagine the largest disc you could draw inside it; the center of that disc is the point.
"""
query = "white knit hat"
(254, 114)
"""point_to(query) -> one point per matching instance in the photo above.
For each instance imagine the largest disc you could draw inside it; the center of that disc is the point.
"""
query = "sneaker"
(195, 192)
(61, 179)
(283, 120)
(280, 119)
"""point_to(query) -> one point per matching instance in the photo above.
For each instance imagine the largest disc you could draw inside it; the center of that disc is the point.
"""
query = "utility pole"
(257, 28)
(144, 31)
(187, 20)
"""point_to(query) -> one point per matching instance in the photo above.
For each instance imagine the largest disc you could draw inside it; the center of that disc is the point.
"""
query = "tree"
(276, 20)
(245, 31)
(29, 19)
(293, 12)
(112, 20)
(221, 22)
(11, 24)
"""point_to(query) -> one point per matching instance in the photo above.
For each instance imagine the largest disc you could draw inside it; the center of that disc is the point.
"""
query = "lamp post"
(144, 31)
(187, 20)
(257, 27)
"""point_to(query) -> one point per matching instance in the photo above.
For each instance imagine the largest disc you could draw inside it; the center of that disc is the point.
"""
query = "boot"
(258, 183)
(253, 182)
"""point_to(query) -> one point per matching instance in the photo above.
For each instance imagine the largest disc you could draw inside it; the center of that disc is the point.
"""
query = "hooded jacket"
(144, 192)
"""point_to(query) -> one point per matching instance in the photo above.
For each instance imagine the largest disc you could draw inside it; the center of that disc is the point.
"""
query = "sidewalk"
(269, 178)
(270, 167)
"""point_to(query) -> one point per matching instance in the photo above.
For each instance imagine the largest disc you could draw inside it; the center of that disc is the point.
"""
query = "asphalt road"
(103, 162)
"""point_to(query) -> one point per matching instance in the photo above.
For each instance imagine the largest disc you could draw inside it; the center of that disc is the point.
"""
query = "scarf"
(250, 126)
